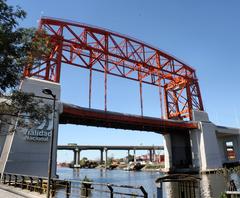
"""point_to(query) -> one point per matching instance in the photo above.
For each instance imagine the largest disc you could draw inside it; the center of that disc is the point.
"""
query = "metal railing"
(183, 185)
(72, 188)
(232, 194)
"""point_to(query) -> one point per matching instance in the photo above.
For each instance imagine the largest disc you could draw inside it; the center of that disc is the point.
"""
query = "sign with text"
(41, 133)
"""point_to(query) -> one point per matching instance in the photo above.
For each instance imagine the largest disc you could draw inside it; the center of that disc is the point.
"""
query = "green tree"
(130, 158)
(83, 162)
(19, 47)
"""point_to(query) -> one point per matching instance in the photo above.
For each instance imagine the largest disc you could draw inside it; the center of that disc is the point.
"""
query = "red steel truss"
(111, 53)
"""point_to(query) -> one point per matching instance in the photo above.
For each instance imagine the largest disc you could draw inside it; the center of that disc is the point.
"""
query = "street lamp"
(49, 92)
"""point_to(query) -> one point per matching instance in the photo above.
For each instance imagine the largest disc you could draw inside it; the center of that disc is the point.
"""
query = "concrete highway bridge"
(105, 148)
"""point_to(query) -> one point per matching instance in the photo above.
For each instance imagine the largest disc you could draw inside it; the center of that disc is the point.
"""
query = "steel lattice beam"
(111, 53)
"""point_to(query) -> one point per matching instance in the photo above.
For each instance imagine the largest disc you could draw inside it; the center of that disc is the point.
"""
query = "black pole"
(51, 149)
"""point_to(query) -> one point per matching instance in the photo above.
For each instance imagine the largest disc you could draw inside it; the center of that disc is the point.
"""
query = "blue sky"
(205, 34)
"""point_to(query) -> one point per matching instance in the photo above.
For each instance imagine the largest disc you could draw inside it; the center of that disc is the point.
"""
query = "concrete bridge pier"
(76, 158)
(208, 147)
(106, 157)
(128, 154)
(177, 151)
(154, 153)
(167, 152)
(101, 156)
(205, 145)
(134, 155)
(151, 155)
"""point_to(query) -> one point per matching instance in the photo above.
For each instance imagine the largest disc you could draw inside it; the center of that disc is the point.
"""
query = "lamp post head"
(48, 92)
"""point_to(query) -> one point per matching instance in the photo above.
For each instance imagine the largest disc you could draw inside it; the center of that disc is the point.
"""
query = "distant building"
(157, 158)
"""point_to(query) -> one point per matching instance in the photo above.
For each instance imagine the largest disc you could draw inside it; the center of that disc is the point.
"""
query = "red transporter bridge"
(111, 53)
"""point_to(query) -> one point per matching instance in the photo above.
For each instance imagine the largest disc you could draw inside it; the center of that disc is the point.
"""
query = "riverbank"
(150, 167)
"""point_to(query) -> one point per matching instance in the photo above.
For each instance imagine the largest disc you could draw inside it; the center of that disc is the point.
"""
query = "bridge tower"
(26, 151)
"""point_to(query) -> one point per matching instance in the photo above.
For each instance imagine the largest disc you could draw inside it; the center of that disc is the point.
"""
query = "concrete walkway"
(7, 194)
(11, 192)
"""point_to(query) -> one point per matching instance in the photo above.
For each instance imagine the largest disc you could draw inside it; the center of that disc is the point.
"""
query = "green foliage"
(29, 110)
(86, 179)
(22, 102)
(226, 172)
(130, 158)
(223, 195)
(10, 45)
(109, 161)
(83, 162)
(18, 48)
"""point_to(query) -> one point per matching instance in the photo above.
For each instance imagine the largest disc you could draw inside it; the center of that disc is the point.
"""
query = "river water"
(210, 186)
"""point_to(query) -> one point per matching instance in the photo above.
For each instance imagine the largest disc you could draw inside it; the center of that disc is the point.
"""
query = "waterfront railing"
(184, 185)
(72, 188)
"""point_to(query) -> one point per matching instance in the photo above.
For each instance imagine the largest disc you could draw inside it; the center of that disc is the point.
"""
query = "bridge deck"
(108, 147)
(92, 117)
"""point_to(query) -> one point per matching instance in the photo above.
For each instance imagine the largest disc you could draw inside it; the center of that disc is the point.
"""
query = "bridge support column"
(106, 157)
(154, 154)
(76, 158)
(205, 146)
(26, 151)
(150, 155)
(167, 152)
(128, 156)
(101, 156)
(199, 149)
(134, 156)
(178, 151)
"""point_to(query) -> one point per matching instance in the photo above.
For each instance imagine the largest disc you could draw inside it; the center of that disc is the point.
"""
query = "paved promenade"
(11, 192)
(7, 194)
